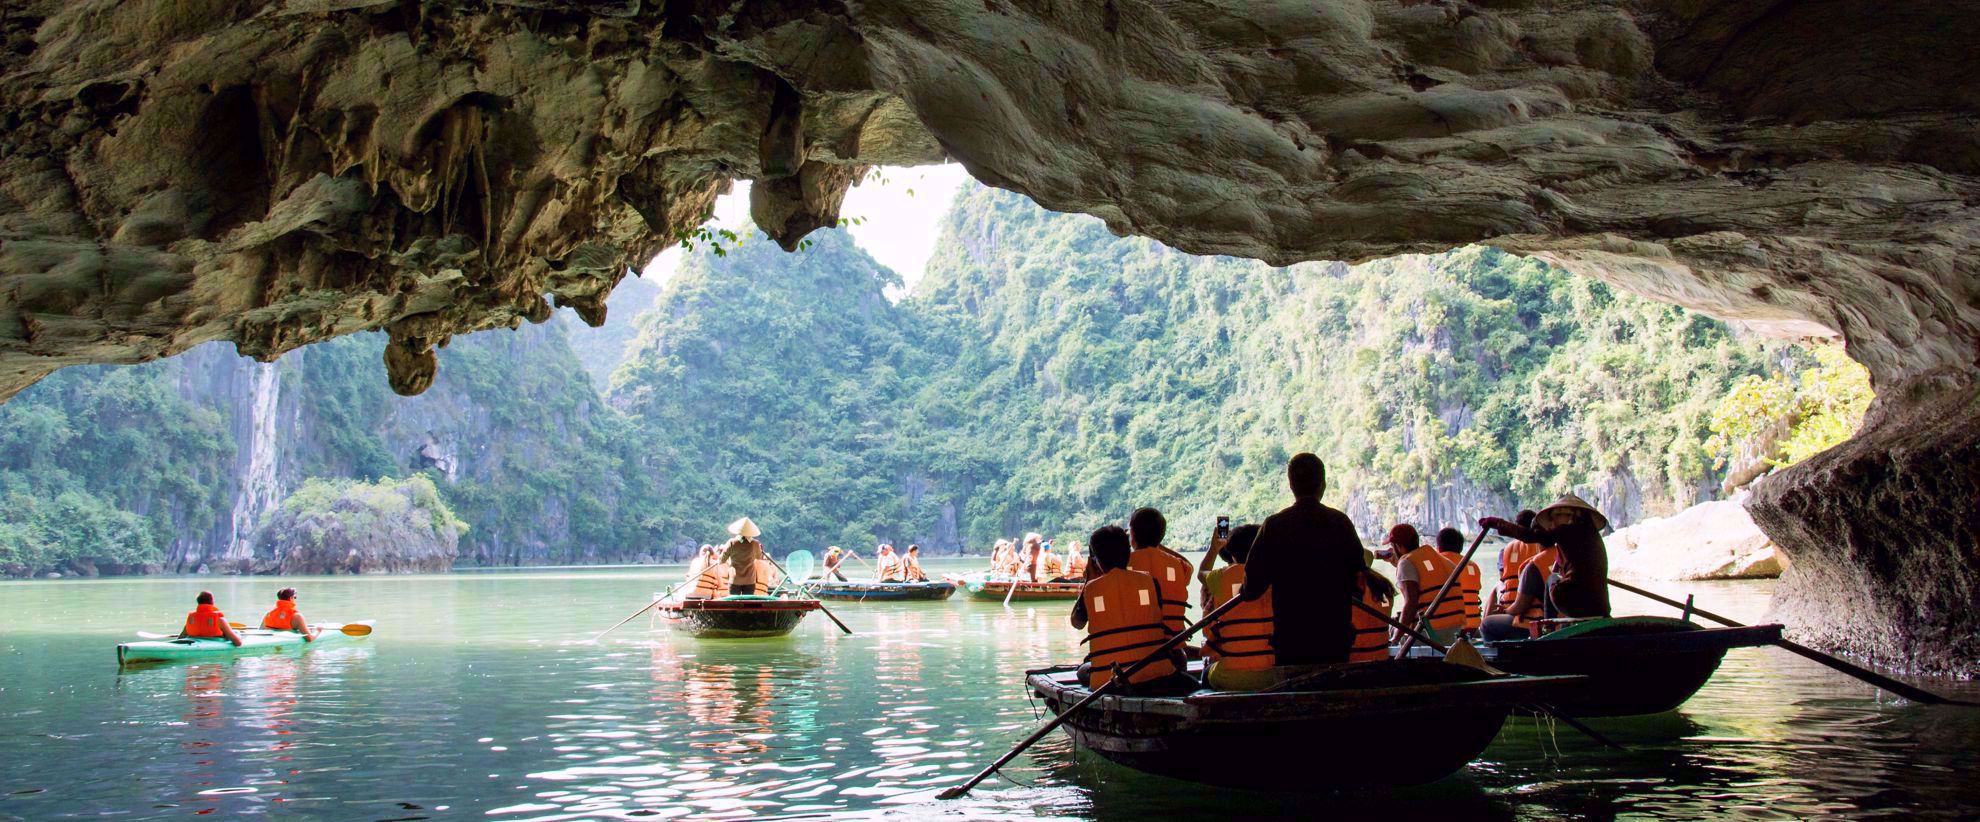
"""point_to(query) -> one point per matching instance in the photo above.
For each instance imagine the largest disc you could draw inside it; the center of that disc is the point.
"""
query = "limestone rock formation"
(1710, 540)
(277, 172)
(358, 528)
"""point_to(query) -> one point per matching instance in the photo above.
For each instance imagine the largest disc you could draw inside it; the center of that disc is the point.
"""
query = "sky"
(899, 210)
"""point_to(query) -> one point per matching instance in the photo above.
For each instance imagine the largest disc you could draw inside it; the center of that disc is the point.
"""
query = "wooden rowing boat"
(1635, 664)
(1401, 722)
(864, 591)
(736, 617)
(998, 589)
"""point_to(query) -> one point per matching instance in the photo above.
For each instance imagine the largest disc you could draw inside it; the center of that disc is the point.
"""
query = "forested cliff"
(1044, 375)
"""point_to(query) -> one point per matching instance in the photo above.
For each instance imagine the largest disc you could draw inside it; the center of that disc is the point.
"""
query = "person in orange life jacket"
(206, 621)
(1309, 557)
(1512, 559)
(1238, 647)
(1146, 530)
(1450, 543)
(707, 575)
(285, 617)
(911, 565)
(1120, 609)
(1371, 633)
(1580, 583)
(1420, 572)
(1075, 564)
(1529, 600)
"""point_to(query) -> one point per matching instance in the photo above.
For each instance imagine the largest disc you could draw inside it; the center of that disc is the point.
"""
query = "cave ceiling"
(279, 172)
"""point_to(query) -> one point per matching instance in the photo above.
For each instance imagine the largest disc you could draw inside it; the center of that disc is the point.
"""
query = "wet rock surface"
(280, 172)
(1710, 540)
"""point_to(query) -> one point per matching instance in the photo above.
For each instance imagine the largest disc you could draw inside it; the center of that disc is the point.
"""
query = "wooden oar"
(821, 605)
(1423, 615)
(1912, 693)
(1461, 653)
(656, 601)
(1119, 677)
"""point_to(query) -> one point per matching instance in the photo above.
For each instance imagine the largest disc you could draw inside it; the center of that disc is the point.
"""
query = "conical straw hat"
(744, 528)
(1554, 515)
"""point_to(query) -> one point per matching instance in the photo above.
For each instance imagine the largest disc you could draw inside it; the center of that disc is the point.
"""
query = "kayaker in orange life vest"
(1121, 611)
(206, 621)
(285, 617)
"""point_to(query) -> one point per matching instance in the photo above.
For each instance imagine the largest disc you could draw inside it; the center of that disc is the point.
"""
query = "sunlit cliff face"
(276, 173)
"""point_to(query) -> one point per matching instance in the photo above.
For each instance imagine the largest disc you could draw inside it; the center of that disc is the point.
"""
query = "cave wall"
(276, 172)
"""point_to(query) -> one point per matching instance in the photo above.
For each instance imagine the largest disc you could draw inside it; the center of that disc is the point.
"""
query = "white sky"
(898, 217)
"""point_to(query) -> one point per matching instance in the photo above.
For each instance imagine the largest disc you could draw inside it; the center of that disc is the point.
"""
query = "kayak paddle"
(1912, 693)
(1119, 677)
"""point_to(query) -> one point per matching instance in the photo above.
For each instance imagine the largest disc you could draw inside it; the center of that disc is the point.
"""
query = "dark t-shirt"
(1311, 558)
(1583, 590)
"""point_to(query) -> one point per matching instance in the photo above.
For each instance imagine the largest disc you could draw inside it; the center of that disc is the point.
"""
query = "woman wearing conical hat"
(742, 553)
(1579, 586)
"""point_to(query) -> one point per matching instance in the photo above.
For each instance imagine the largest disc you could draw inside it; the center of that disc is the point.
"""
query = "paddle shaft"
(1912, 693)
(1119, 677)
(656, 601)
(1544, 708)
(1424, 612)
(821, 606)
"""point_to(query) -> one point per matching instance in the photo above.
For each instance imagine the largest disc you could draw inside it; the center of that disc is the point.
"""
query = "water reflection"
(460, 708)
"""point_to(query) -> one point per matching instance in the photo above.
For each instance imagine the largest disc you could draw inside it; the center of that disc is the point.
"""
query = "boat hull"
(999, 590)
(881, 591)
(1401, 722)
(253, 641)
(736, 617)
(1635, 665)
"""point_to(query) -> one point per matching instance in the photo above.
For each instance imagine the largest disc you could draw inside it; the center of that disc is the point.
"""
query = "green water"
(479, 698)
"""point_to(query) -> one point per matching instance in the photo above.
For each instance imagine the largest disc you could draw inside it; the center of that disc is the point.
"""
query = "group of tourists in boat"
(887, 566)
(1032, 559)
(1298, 575)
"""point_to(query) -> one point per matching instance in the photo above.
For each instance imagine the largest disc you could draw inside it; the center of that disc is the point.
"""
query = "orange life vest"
(1123, 624)
(1432, 568)
(206, 621)
(1241, 639)
(889, 566)
(708, 583)
(1469, 581)
(282, 617)
(1511, 562)
(1545, 560)
(1371, 634)
(1171, 573)
(763, 571)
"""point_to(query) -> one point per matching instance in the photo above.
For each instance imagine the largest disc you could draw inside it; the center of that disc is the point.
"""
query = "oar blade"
(356, 629)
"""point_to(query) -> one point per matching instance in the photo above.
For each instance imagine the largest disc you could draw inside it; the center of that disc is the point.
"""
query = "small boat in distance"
(1372, 724)
(253, 641)
(736, 617)
(1634, 664)
(865, 590)
(997, 589)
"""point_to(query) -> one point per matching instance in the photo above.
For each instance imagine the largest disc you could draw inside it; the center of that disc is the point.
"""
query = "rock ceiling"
(277, 172)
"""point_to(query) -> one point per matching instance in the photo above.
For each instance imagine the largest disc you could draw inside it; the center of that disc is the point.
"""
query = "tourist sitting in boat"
(1027, 567)
(887, 564)
(1580, 585)
(1450, 543)
(1308, 558)
(1371, 632)
(285, 617)
(1120, 610)
(911, 565)
(707, 575)
(1147, 528)
(1238, 646)
(1420, 574)
(833, 558)
(1051, 568)
(1512, 560)
(1075, 564)
(206, 621)
(1003, 559)
(1520, 618)
(742, 554)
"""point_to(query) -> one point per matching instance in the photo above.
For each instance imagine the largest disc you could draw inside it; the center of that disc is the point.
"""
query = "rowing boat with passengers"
(1634, 664)
(1401, 722)
(864, 591)
(736, 617)
(994, 588)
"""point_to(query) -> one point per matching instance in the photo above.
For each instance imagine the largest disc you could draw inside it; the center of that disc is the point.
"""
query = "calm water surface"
(480, 698)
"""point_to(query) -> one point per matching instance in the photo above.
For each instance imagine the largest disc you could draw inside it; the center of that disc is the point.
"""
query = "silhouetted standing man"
(1309, 558)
